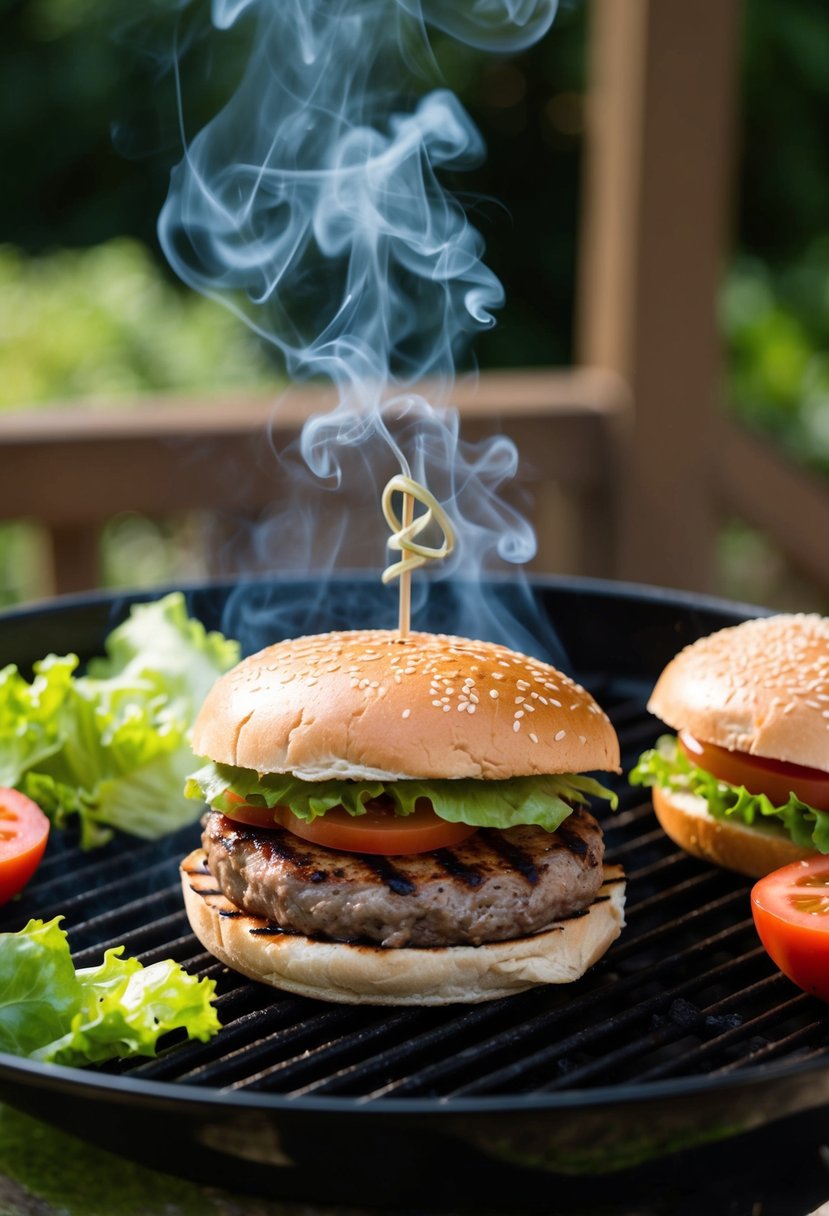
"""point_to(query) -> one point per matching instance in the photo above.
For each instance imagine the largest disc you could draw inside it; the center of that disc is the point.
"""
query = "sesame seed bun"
(366, 704)
(761, 687)
(358, 974)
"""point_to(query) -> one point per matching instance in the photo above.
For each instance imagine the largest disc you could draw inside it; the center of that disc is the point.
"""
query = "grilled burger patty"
(494, 886)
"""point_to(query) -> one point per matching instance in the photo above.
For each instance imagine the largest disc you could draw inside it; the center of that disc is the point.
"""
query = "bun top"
(761, 687)
(370, 704)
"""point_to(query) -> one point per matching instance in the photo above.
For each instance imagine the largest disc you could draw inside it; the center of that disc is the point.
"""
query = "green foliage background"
(90, 131)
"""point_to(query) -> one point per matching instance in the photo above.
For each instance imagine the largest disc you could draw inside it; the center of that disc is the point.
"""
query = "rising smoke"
(312, 205)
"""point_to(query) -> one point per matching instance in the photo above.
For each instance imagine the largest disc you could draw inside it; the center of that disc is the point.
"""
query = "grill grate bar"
(740, 1028)
(150, 935)
(591, 1030)
(307, 1039)
(83, 927)
(794, 1046)
(410, 1050)
(327, 1054)
(246, 1011)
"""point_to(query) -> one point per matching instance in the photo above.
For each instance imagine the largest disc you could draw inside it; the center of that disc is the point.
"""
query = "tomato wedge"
(790, 907)
(24, 830)
(379, 830)
(760, 775)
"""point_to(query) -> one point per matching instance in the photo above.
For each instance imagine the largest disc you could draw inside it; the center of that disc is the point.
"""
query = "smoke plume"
(313, 206)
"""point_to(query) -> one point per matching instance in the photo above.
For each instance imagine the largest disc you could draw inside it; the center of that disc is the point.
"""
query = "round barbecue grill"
(682, 1069)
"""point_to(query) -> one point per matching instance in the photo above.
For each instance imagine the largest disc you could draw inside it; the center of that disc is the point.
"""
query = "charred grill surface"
(493, 886)
(686, 993)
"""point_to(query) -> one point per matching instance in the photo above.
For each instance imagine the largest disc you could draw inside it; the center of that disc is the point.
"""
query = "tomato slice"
(24, 830)
(759, 774)
(379, 830)
(791, 912)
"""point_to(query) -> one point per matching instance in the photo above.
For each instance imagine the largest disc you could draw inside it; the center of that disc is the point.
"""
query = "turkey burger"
(402, 821)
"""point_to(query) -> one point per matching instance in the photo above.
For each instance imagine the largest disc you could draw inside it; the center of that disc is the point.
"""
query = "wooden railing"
(71, 469)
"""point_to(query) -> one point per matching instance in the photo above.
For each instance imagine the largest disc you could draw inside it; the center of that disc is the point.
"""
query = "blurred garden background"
(90, 311)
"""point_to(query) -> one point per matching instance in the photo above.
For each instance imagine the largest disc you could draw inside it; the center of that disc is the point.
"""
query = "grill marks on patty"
(494, 886)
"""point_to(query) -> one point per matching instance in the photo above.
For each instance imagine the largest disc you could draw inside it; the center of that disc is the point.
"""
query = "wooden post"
(76, 561)
(656, 217)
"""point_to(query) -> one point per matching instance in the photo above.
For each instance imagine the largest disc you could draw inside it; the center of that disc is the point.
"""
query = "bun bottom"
(372, 975)
(754, 851)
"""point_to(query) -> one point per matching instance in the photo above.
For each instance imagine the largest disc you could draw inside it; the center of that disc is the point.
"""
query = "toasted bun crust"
(761, 687)
(754, 850)
(371, 975)
(368, 704)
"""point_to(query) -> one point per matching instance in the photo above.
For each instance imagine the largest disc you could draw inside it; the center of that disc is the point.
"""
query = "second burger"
(745, 782)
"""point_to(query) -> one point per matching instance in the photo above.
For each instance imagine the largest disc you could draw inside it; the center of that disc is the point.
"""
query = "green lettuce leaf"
(28, 715)
(668, 767)
(545, 801)
(52, 1013)
(110, 748)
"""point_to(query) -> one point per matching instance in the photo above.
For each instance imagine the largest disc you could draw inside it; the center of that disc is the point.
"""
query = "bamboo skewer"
(404, 531)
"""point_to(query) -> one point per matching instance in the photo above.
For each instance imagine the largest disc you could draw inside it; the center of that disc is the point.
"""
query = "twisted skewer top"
(404, 533)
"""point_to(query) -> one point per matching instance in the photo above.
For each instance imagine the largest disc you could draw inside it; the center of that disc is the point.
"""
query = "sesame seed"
(534, 737)
(446, 708)
(519, 713)
(493, 692)
(560, 735)
(405, 713)
(516, 726)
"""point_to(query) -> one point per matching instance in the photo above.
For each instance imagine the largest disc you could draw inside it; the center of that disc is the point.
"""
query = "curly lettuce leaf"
(161, 648)
(110, 748)
(668, 767)
(54, 1014)
(545, 801)
(29, 715)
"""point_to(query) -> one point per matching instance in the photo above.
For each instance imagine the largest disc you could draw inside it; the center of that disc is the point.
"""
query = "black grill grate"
(686, 991)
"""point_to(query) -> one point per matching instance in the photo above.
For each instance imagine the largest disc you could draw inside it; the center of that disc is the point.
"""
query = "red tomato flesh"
(777, 779)
(379, 830)
(24, 830)
(790, 907)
